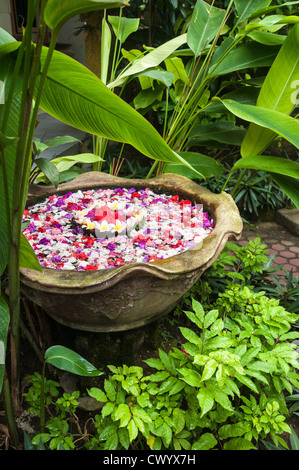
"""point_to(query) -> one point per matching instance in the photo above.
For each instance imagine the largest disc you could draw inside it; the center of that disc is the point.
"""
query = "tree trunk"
(93, 42)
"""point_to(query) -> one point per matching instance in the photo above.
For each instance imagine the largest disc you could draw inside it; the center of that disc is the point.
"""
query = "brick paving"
(279, 241)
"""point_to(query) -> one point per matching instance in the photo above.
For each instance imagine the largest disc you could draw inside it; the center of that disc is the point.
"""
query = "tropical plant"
(255, 193)
(276, 101)
(42, 392)
(34, 76)
(252, 321)
(187, 93)
(226, 388)
(44, 167)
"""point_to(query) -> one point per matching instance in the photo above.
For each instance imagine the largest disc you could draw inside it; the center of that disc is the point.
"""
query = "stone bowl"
(133, 295)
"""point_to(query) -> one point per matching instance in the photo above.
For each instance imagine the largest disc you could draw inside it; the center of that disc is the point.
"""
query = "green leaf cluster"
(233, 355)
(215, 86)
(33, 396)
(227, 387)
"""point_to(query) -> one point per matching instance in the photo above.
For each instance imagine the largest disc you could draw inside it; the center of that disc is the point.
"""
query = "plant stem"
(152, 169)
(4, 127)
(117, 49)
(16, 216)
(233, 193)
(166, 113)
(226, 182)
(24, 149)
(42, 400)
(9, 414)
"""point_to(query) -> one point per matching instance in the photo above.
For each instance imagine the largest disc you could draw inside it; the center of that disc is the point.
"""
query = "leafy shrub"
(249, 265)
(228, 387)
(257, 192)
(224, 389)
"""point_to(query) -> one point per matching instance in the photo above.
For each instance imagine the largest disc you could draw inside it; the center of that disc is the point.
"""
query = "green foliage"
(58, 436)
(226, 388)
(224, 50)
(42, 395)
(67, 359)
(294, 400)
(34, 77)
(249, 265)
(67, 403)
(33, 396)
(256, 192)
(294, 443)
(46, 170)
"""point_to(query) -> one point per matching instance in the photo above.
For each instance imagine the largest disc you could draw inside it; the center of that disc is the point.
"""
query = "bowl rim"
(199, 257)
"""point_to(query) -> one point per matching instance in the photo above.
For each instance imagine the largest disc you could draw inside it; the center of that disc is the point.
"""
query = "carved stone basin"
(135, 294)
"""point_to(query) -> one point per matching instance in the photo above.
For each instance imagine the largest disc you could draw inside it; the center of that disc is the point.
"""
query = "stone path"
(279, 241)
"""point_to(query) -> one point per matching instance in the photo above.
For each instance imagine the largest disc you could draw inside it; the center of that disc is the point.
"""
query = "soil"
(131, 348)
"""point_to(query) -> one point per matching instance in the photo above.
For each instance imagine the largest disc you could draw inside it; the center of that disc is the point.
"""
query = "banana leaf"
(244, 57)
(282, 166)
(150, 60)
(277, 93)
(204, 25)
(279, 123)
(275, 121)
(58, 12)
(246, 8)
(204, 164)
(80, 99)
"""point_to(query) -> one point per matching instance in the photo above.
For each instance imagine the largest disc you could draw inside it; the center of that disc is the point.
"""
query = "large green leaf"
(225, 132)
(245, 8)
(66, 359)
(4, 324)
(244, 57)
(277, 93)
(8, 54)
(9, 154)
(290, 186)
(28, 258)
(278, 165)
(162, 76)
(105, 50)
(81, 100)
(60, 140)
(58, 12)
(276, 22)
(5, 37)
(176, 66)
(204, 25)
(150, 60)
(205, 165)
(62, 164)
(266, 38)
(245, 95)
(50, 170)
(277, 122)
(266, 10)
(123, 26)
